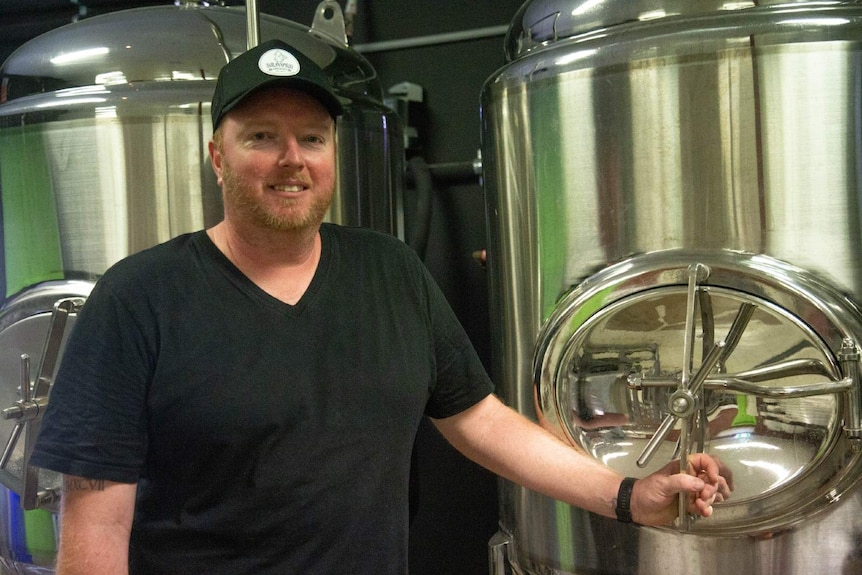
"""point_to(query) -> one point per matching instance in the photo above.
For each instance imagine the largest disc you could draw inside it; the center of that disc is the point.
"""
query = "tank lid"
(181, 43)
(541, 22)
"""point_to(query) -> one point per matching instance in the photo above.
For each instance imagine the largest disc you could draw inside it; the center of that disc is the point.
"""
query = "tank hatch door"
(32, 325)
(743, 357)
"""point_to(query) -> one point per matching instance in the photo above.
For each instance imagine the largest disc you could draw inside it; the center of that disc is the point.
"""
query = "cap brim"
(329, 100)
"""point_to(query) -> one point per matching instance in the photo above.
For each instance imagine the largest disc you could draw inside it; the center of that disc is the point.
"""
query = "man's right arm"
(95, 525)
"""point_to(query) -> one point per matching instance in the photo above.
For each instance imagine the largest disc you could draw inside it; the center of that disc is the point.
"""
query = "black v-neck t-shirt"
(265, 438)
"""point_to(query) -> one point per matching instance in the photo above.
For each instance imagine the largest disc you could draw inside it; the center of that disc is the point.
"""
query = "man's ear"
(215, 160)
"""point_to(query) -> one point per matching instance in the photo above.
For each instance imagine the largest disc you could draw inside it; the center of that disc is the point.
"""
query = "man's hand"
(654, 499)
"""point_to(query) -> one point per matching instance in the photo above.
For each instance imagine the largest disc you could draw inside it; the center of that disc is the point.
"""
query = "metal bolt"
(680, 404)
(14, 412)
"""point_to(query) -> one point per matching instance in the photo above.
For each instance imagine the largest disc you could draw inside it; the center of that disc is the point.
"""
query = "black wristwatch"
(624, 500)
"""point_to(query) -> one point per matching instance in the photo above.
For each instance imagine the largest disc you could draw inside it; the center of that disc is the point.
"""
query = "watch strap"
(624, 500)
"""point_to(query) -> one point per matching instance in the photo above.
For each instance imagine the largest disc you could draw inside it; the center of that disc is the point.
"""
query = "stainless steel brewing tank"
(104, 126)
(673, 193)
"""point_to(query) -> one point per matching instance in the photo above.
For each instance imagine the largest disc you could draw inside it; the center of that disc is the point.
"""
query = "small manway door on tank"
(739, 356)
(33, 329)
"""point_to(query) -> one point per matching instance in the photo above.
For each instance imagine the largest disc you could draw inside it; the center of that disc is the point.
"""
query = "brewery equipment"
(673, 195)
(104, 126)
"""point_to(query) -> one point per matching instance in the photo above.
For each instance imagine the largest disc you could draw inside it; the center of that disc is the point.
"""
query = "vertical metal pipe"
(849, 358)
(253, 24)
(498, 554)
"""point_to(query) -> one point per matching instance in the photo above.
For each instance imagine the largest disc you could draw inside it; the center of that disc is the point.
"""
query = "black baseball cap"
(269, 64)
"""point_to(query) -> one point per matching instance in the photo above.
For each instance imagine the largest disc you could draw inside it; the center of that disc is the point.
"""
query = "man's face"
(275, 160)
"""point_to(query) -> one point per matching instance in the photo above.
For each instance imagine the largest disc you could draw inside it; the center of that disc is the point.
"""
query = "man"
(243, 400)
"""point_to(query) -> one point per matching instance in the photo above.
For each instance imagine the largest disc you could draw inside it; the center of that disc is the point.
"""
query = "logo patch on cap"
(278, 62)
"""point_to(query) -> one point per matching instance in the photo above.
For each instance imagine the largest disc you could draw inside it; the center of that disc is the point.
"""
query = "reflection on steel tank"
(104, 126)
(674, 207)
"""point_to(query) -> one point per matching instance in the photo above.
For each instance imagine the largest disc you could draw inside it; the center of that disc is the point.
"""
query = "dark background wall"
(455, 502)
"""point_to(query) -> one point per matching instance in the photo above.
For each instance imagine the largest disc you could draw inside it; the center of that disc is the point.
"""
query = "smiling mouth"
(289, 188)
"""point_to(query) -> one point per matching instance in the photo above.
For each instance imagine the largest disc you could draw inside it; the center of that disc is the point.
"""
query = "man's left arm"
(512, 446)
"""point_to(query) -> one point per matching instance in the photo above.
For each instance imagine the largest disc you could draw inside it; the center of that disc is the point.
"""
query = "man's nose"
(291, 154)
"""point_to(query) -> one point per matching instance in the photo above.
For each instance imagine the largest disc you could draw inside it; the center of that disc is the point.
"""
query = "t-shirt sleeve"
(95, 422)
(461, 379)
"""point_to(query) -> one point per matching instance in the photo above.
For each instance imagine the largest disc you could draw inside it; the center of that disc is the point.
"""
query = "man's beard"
(238, 194)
